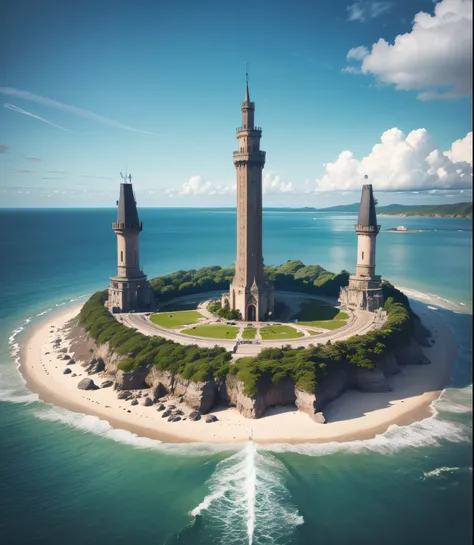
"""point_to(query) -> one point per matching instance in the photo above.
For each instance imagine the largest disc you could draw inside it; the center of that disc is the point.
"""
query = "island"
(457, 210)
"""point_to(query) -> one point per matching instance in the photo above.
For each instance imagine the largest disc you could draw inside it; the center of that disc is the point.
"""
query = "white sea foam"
(95, 425)
(44, 312)
(248, 502)
(440, 471)
(454, 400)
(429, 432)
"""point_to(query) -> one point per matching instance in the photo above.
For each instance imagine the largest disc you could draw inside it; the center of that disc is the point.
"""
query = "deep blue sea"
(67, 478)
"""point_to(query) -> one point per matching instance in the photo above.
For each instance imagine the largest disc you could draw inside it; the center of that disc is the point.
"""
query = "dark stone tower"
(249, 292)
(364, 290)
(129, 290)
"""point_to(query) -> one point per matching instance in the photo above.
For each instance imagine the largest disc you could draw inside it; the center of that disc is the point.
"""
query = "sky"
(342, 89)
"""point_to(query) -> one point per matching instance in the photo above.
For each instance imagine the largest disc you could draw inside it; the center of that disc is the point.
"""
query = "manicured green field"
(319, 314)
(178, 306)
(173, 320)
(270, 332)
(249, 333)
(332, 324)
(213, 331)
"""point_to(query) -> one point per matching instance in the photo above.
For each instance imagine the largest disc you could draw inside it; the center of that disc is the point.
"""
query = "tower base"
(130, 295)
(255, 304)
(362, 293)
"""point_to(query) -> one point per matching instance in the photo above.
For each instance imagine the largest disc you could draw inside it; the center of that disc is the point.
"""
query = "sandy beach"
(355, 415)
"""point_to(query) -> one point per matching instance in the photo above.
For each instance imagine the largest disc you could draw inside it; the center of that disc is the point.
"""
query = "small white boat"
(401, 228)
(432, 308)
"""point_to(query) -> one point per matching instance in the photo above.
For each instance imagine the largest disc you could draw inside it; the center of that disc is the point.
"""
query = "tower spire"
(247, 94)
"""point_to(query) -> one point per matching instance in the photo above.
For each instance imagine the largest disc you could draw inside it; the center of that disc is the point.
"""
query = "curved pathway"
(359, 322)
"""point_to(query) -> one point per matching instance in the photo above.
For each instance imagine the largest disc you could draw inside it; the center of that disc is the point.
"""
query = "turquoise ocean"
(68, 478)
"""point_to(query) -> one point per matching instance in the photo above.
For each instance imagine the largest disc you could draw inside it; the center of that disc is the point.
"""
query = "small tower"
(129, 290)
(364, 290)
(249, 292)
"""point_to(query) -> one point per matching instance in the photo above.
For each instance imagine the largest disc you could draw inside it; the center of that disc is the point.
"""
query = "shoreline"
(353, 416)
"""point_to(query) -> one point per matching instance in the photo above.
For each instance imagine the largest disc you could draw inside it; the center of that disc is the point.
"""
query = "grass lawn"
(175, 307)
(270, 332)
(176, 319)
(319, 314)
(330, 324)
(249, 333)
(312, 332)
(213, 331)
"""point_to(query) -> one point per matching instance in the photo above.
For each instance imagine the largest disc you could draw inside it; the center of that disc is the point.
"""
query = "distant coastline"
(457, 210)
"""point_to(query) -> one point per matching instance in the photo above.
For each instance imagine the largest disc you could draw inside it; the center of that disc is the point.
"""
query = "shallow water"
(71, 478)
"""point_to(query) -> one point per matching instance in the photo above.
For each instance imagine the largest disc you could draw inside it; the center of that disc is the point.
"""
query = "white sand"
(355, 415)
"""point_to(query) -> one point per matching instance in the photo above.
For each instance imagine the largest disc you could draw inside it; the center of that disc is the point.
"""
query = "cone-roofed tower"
(249, 292)
(129, 290)
(364, 290)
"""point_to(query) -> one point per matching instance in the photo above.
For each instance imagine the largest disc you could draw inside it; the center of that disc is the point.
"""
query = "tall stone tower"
(129, 290)
(364, 290)
(249, 291)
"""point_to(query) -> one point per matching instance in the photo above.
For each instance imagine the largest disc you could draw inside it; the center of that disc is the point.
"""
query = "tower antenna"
(247, 73)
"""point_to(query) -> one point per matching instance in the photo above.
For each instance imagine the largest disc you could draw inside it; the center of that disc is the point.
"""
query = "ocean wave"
(454, 400)
(97, 426)
(439, 471)
(44, 312)
(428, 432)
(248, 502)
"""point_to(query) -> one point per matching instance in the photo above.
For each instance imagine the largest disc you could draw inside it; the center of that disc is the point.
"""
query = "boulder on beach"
(174, 418)
(67, 371)
(66, 357)
(71, 362)
(74, 375)
(171, 406)
(63, 350)
(161, 408)
(211, 418)
(124, 395)
(195, 416)
(107, 384)
(87, 384)
(147, 402)
(95, 366)
(134, 402)
(166, 413)
(178, 411)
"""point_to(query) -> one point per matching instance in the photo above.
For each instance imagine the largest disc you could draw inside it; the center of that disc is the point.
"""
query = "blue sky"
(90, 89)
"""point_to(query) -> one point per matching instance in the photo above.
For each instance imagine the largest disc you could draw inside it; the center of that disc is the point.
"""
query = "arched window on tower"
(362, 255)
(121, 256)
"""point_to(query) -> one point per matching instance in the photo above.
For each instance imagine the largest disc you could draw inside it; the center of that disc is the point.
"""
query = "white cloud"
(364, 10)
(403, 163)
(357, 53)
(461, 150)
(196, 185)
(273, 184)
(435, 57)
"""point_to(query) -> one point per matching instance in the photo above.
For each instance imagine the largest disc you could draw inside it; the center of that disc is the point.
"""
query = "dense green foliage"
(307, 366)
(304, 366)
(291, 276)
(143, 352)
(224, 311)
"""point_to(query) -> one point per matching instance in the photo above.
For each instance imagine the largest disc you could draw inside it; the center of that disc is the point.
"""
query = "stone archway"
(251, 313)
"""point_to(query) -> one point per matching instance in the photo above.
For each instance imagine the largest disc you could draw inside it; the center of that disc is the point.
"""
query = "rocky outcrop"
(410, 353)
(87, 384)
(200, 396)
(371, 380)
(211, 418)
(195, 416)
(96, 365)
(130, 380)
(269, 395)
(147, 402)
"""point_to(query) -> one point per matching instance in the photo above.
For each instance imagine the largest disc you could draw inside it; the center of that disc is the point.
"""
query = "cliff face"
(204, 396)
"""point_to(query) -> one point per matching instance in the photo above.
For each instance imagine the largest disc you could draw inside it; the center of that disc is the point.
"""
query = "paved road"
(359, 323)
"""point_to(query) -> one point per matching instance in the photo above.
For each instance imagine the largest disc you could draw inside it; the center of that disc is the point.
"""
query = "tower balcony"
(119, 226)
(367, 228)
(250, 129)
(257, 157)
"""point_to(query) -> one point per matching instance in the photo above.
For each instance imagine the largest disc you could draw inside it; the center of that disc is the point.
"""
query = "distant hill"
(461, 209)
